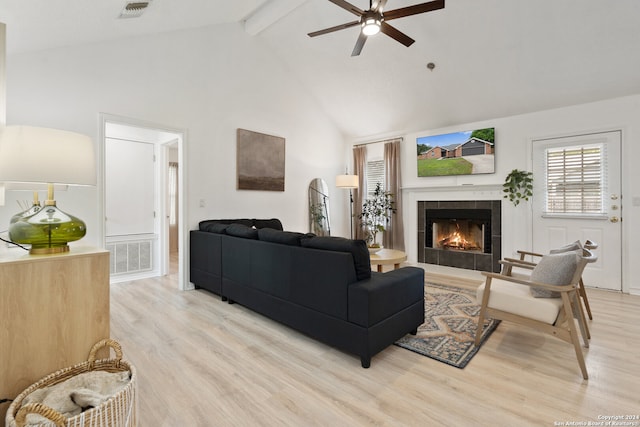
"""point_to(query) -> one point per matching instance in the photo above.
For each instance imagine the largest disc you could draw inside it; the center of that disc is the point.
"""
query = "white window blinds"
(575, 179)
(375, 174)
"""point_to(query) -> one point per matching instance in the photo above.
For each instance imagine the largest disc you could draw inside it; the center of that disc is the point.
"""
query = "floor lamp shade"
(347, 181)
(34, 156)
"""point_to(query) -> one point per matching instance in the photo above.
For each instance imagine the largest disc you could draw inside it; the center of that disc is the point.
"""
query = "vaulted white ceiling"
(494, 58)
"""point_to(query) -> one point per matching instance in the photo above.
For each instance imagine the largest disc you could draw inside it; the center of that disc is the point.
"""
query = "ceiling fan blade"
(396, 34)
(359, 44)
(414, 10)
(332, 29)
(348, 6)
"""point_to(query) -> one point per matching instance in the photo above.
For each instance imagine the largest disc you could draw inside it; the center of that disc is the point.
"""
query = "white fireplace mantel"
(455, 188)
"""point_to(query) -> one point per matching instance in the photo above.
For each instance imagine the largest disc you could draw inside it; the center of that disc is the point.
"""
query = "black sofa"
(320, 286)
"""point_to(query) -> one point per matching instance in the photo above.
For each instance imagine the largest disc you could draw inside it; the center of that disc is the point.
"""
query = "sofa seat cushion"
(291, 238)
(357, 248)
(517, 299)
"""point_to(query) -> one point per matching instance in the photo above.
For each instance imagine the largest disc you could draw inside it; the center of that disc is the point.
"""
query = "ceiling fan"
(373, 20)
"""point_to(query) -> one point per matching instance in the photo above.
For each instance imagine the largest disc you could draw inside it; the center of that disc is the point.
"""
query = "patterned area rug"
(448, 332)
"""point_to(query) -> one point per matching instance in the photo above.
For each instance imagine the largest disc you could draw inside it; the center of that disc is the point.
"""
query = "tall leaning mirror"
(319, 207)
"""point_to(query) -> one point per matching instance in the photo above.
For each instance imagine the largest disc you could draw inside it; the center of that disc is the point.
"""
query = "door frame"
(183, 231)
(624, 261)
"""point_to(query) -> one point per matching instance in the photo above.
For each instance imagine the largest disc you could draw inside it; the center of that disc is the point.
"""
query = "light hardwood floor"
(203, 362)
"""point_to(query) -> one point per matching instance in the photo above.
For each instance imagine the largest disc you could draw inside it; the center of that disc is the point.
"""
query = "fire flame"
(457, 240)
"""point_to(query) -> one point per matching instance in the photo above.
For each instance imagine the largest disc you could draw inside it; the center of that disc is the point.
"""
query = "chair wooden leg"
(483, 310)
(480, 324)
(576, 306)
(583, 294)
(574, 336)
(582, 315)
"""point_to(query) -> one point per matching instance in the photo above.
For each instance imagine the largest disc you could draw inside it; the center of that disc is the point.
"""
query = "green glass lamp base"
(47, 231)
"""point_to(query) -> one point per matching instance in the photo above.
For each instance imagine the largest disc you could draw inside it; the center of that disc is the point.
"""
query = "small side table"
(388, 257)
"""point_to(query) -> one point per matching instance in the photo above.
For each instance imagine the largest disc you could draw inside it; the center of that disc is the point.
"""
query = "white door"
(130, 187)
(577, 197)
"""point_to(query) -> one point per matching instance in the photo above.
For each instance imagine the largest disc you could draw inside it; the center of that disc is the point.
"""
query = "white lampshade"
(41, 155)
(347, 181)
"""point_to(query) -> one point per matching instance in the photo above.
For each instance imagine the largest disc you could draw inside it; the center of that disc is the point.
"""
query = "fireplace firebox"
(463, 234)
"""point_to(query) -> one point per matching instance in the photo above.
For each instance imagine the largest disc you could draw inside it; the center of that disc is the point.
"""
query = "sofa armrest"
(384, 294)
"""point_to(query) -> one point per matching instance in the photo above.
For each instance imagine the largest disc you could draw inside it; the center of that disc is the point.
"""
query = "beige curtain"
(360, 193)
(393, 237)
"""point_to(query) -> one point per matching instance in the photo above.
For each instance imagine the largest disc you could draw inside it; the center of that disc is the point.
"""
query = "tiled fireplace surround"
(462, 259)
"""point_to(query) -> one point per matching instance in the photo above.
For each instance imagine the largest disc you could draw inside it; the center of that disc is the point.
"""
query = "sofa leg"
(414, 331)
(230, 301)
(365, 361)
(224, 298)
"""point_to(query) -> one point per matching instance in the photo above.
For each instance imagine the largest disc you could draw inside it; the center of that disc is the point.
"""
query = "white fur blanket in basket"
(95, 393)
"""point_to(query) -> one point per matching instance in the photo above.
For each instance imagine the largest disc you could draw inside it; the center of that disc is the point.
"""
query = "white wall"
(513, 151)
(207, 81)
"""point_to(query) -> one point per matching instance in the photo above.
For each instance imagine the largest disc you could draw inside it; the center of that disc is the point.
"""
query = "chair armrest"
(556, 288)
(524, 253)
(509, 263)
(519, 263)
(384, 294)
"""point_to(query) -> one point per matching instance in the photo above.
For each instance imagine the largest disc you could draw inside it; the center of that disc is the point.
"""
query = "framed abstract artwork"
(260, 161)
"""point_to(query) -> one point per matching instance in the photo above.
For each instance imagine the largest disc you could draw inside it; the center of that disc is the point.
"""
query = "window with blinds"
(375, 174)
(575, 179)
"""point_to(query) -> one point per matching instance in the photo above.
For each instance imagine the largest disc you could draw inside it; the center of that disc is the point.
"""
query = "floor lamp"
(348, 182)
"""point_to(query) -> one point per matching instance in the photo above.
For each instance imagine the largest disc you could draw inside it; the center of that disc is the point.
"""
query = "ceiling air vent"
(134, 9)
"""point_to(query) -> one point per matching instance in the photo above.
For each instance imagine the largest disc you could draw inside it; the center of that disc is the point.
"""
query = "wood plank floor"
(203, 362)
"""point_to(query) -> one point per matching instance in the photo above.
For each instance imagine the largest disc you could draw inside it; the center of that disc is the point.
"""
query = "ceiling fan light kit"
(373, 20)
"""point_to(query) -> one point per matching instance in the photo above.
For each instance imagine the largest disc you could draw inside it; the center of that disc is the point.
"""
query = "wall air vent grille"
(134, 9)
(130, 257)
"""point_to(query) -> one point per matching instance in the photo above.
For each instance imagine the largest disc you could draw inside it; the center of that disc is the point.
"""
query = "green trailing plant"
(376, 214)
(518, 186)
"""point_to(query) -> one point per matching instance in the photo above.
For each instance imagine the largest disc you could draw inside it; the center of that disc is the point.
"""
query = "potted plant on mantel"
(376, 213)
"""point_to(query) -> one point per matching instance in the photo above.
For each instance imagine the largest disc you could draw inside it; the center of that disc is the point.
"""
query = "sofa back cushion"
(240, 230)
(283, 237)
(357, 248)
(273, 223)
(215, 227)
(249, 222)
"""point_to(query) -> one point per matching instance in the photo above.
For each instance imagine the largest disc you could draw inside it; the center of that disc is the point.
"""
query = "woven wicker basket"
(119, 411)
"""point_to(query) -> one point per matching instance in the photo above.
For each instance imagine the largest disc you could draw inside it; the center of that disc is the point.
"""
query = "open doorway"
(142, 181)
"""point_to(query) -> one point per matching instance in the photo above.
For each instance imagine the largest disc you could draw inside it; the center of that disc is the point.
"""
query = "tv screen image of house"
(459, 153)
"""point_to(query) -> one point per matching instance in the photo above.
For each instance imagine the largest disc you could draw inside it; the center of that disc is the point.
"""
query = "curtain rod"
(379, 142)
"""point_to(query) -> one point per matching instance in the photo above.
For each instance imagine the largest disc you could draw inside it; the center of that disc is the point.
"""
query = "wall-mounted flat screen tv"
(459, 153)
